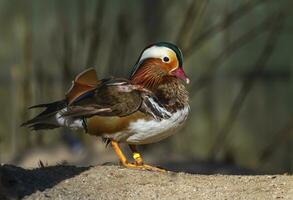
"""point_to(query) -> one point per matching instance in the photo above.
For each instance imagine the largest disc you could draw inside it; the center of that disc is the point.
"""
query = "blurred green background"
(238, 55)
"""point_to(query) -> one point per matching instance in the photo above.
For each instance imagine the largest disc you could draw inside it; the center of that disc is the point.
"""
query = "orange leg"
(139, 161)
(136, 155)
(138, 164)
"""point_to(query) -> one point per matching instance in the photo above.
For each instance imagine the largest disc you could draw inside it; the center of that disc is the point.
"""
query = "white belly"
(145, 132)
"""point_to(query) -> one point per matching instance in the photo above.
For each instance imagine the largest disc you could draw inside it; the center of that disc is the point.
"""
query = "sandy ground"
(115, 182)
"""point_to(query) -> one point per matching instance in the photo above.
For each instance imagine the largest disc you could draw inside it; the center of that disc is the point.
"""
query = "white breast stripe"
(159, 108)
(163, 112)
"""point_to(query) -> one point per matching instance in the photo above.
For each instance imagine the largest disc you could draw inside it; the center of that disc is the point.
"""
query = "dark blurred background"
(238, 55)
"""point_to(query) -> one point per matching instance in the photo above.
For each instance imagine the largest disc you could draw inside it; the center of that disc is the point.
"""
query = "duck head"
(158, 62)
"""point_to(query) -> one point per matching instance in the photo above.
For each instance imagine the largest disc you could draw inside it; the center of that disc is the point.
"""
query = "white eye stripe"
(156, 52)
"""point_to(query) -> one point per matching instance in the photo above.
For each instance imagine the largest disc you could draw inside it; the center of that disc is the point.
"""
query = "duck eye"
(166, 59)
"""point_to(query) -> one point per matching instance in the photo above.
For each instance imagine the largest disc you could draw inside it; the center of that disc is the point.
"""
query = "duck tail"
(47, 118)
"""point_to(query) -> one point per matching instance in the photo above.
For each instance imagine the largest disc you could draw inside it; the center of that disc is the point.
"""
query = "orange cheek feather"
(171, 65)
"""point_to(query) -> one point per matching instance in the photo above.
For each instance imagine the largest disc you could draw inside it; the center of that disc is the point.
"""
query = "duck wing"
(107, 97)
(110, 97)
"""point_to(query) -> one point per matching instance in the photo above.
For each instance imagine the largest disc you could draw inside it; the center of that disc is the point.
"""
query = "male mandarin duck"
(146, 108)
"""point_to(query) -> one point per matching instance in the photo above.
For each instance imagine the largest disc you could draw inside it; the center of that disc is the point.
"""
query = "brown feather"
(150, 73)
(97, 125)
(87, 77)
(83, 83)
(85, 111)
(153, 75)
(117, 96)
(172, 94)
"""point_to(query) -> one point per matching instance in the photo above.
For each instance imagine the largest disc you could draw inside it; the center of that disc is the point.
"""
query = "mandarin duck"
(146, 108)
